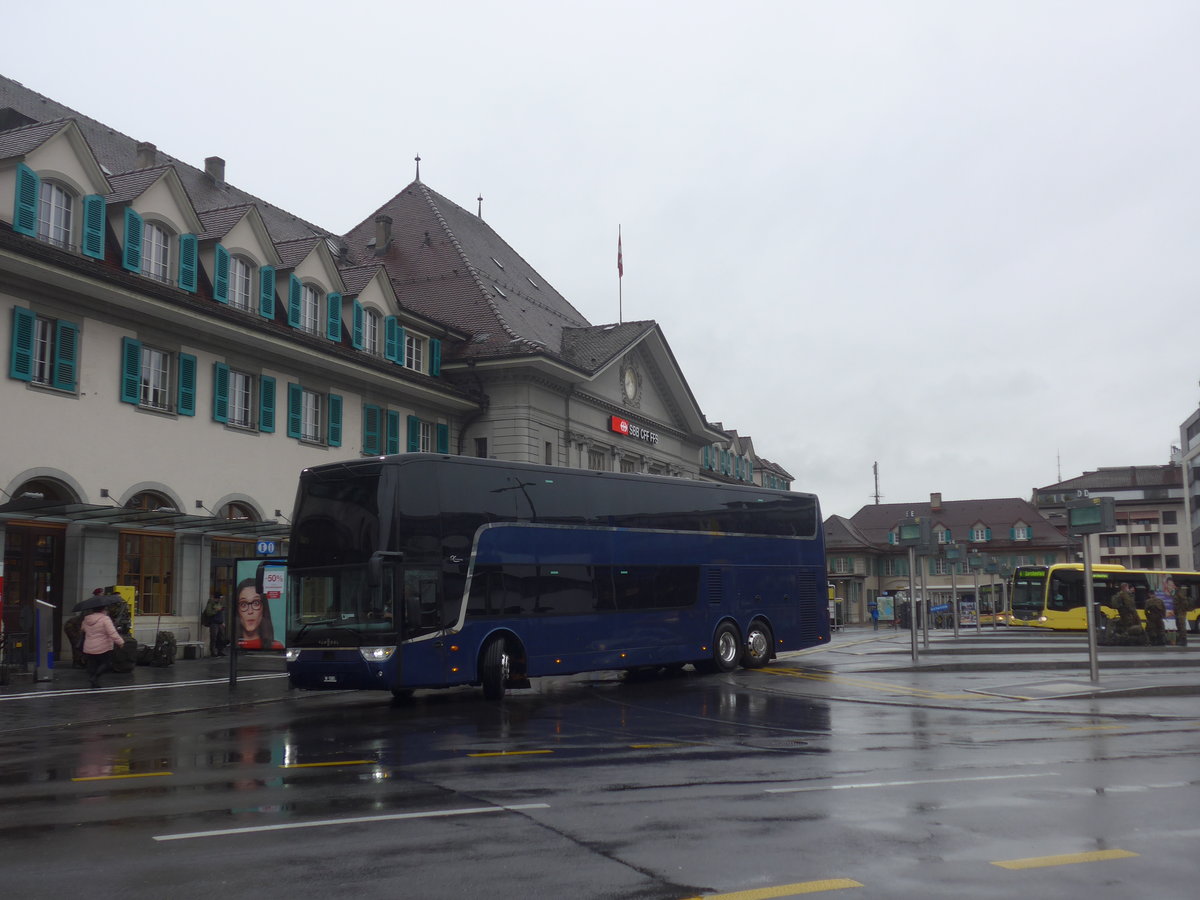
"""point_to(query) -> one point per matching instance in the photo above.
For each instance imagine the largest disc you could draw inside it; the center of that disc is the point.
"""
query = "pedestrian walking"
(873, 609)
(99, 637)
(1156, 613)
(1183, 605)
(214, 617)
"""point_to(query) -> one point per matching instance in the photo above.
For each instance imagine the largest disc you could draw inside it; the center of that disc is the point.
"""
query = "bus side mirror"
(374, 572)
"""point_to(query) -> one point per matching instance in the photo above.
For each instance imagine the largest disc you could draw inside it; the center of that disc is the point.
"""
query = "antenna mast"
(876, 495)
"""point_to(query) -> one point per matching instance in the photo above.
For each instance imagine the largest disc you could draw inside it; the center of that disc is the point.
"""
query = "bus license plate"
(330, 679)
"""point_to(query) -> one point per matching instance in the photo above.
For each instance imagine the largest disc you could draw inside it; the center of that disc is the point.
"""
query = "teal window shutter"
(391, 328)
(186, 404)
(93, 226)
(220, 392)
(356, 331)
(131, 256)
(295, 404)
(435, 357)
(370, 435)
(891, 537)
(66, 351)
(220, 274)
(294, 290)
(266, 404)
(266, 292)
(987, 535)
(704, 457)
(393, 432)
(188, 262)
(334, 434)
(131, 370)
(333, 322)
(1012, 534)
(20, 362)
(25, 208)
(443, 438)
(414, 434)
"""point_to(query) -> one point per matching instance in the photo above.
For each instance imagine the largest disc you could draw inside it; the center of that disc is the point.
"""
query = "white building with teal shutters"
(178, 350)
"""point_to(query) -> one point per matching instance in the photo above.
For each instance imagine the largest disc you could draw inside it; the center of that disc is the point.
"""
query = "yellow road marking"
(1066, 859)
(653, 746)
(115, 777)
(512, 753)
(344, 762)
(1097, 727)
(785, 890)
(864, 682)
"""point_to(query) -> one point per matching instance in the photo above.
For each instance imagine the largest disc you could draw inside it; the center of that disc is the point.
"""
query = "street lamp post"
(952, 554)
(975, 561)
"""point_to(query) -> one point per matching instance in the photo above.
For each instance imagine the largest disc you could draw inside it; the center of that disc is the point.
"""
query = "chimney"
(935, 502)
(383, 234)
(147, 155)
(214, 168)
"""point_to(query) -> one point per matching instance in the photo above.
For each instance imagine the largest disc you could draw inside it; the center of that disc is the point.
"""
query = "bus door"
(422, 617)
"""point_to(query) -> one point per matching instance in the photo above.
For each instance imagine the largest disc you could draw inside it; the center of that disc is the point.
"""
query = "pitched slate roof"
(292, 253)
(592, 348)
(1122, 477)
(118, 153)
(20, 141)
(449, 264)
(219, 222)
(875, 521)
(129, 185)
(842, 534)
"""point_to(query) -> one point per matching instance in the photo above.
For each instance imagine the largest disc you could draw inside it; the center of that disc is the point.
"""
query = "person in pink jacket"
(99, 638)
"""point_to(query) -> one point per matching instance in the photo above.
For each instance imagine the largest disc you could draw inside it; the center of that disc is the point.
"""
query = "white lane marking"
(162, 685)
(879, 784)
(323, 823)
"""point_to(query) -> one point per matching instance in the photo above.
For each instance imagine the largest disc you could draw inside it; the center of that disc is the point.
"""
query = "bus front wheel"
(758, 646)
(726, 650)
(493, 671)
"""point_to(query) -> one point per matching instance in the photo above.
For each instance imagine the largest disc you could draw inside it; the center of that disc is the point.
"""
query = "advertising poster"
(887, 608)
(966, 612)
(257, 615)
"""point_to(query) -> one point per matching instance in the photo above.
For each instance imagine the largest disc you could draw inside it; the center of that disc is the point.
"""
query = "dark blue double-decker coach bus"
(427, 571)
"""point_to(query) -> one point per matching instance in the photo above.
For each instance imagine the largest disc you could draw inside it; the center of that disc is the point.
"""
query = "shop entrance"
(33, 570)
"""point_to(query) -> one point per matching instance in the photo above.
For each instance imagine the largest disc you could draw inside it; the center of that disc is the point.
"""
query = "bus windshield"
(1029, 586)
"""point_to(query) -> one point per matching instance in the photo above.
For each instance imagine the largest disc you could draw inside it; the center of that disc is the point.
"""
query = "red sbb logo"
(619, 425)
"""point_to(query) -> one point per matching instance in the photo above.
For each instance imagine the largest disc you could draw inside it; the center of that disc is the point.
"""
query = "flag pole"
(620, 281)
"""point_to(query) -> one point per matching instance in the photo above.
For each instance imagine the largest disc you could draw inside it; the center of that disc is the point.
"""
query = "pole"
(978, 605)
(954, 596)
(925, 604)
(912, 600)
(620, 280)
(992, 599)
(1089, 595)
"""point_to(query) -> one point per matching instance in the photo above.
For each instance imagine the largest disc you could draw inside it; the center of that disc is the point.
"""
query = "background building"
(1151, 528)
(178, 350)
(865, 561)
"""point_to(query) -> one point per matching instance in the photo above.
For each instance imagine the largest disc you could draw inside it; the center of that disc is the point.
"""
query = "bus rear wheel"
(494, 670)
(759, 642)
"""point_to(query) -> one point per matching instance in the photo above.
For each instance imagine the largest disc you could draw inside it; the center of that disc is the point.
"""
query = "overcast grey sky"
(956, 238)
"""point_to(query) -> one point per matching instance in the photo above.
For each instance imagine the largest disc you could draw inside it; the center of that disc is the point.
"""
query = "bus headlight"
(291, 654)
(376, 654)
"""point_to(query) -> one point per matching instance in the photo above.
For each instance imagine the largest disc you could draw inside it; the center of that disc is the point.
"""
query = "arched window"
(150, 501)
(372, 342)
(237, 512)
(310, 309)
(156, 253)
(55, 206)
(241, 277)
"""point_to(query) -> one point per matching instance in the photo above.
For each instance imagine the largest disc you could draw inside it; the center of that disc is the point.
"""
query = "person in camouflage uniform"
(1129, 627)
(1183, 605)
(1156, 613)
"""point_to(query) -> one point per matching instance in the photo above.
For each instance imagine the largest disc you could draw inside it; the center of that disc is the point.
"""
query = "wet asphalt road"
(839, 771)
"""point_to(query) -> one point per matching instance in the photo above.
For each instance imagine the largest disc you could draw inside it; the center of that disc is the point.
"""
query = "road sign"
(266, 548)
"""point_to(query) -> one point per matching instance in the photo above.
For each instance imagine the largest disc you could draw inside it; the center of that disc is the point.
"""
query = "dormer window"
(55, 207)
(1022, 532)
(240, 280)
(414, 352)
(156, 253)
(371, 332)
(310, 309)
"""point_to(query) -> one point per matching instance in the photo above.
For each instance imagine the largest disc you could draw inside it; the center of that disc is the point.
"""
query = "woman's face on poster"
(250, 611)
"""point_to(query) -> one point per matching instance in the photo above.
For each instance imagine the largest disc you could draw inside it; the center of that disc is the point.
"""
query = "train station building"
(179, 349)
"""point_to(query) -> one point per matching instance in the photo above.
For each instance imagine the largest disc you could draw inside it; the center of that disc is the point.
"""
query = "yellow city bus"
(1053, 596)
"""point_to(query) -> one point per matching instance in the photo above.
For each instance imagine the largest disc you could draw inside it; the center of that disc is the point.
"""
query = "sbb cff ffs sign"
(629, 429)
